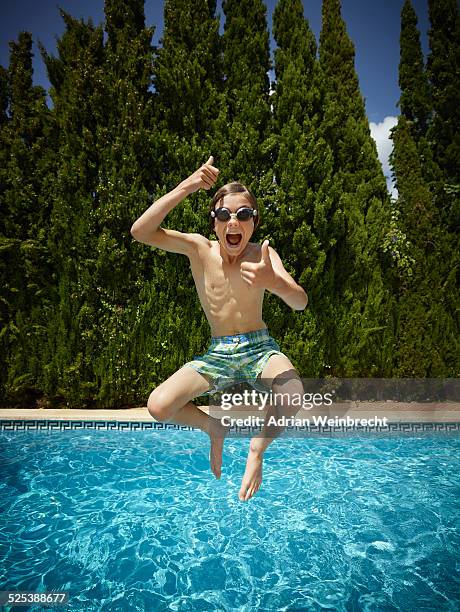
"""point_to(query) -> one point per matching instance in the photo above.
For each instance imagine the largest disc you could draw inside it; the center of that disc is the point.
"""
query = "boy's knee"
(288, 393)
(289, 386)
(158, 405)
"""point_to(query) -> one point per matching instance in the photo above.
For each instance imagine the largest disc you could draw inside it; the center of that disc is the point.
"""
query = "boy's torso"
(230, 304)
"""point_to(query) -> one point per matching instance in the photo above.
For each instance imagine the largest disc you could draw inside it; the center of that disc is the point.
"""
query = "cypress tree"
(126, 169)
(107, 163)
(244, 125)
(410, 238)
(416, 215)
(362, 304)
(187, 70)
(442, 168)
(76, 76)
(443, 69)
(4, 142)
(414, 101)
(426, 333)
(4, 95)
(24, 267)
(24, 130)
(302, 166)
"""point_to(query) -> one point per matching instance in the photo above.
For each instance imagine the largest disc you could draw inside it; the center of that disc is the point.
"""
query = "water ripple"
(136, 521)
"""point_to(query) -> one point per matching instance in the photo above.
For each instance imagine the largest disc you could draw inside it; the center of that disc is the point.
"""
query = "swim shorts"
(234, 359)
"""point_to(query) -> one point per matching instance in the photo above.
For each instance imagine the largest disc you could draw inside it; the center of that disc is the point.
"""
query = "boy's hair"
(228, 189)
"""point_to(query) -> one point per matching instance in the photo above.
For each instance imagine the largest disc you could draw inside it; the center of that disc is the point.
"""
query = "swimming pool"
(134, 520)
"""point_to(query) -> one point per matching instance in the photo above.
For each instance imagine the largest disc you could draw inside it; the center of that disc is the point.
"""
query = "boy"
(231, 275)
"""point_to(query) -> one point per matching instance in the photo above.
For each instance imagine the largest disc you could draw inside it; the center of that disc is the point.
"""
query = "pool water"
(136, 521)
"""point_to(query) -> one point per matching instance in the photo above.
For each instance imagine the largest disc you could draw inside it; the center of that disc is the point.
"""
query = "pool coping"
(411, 412)
(404, 419)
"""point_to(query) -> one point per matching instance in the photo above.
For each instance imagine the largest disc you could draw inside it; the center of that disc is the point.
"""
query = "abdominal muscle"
(230, 305)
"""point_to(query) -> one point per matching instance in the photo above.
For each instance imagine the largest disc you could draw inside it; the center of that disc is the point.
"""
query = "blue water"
(136, 521)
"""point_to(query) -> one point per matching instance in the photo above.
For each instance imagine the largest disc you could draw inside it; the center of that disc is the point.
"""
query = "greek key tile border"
(295, 431)
(61, 425)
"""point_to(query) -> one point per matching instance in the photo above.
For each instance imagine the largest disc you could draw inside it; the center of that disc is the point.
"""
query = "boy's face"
(234, 234)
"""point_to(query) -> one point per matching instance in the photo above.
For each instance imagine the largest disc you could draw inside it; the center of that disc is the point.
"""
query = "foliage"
(90, 317)
(422, 240)
(361, 303)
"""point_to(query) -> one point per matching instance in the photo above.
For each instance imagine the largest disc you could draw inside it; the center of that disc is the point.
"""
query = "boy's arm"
(147, 228)
(270, 274)
(284, 286)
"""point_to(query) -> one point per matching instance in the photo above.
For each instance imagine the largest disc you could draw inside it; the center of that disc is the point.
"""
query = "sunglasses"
(242, 214)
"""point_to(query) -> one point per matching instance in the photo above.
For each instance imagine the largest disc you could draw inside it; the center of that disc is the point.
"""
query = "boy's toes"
(216, 469)
(248, 491)
(215, 461)
(215, 455)
(243, 492)
(252, 478)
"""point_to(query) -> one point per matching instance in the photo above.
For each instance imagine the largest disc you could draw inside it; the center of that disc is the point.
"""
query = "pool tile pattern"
(399, 428)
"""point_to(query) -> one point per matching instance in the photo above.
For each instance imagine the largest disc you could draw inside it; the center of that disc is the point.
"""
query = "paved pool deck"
(412, 412)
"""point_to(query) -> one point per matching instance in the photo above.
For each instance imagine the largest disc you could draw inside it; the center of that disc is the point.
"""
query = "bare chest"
(218, 281)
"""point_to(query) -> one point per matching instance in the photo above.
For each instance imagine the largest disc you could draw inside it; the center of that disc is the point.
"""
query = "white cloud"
(380, 132)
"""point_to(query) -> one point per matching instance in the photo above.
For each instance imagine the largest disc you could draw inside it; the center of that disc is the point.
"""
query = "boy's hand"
(203, 178)
(259, 274)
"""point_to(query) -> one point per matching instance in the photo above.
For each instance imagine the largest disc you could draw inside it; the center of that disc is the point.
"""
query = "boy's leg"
(171, 402)
(284, 381)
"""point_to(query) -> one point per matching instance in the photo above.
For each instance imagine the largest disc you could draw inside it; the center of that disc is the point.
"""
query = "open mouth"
(233, 240)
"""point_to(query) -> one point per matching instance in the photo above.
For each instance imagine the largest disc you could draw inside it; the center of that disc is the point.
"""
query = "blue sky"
(373, 25)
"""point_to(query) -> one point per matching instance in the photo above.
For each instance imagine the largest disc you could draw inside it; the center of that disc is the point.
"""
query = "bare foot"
(217, 433)
(252, 478)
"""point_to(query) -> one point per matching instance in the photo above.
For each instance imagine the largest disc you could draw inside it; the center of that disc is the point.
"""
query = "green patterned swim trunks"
(238, 358)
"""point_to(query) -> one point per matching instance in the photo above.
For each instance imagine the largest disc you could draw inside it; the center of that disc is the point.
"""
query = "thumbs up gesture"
(203, 178)
(259, 274)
